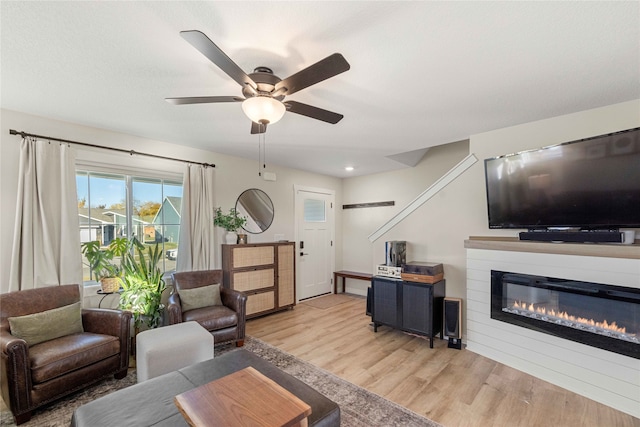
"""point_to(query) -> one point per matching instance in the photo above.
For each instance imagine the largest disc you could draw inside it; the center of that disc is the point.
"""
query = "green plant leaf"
(231, 221)
(143, 284)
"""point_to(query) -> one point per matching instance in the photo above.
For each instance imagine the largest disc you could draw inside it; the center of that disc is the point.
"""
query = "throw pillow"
(47, 325)
(204, 296)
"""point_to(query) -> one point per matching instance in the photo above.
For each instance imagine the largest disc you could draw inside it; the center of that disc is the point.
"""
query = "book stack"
(422, 272)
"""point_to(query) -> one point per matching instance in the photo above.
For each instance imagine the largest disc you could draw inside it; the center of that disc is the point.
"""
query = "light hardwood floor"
(452, 387)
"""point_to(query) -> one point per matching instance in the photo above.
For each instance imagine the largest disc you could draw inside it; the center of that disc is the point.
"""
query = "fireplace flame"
(613, 326)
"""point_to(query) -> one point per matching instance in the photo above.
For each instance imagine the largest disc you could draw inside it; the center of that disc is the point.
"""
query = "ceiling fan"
(263, 91)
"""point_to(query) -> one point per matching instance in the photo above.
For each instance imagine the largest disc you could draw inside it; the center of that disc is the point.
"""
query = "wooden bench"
(345, 274)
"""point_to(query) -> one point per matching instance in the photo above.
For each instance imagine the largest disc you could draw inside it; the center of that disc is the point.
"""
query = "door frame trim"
(298, 219)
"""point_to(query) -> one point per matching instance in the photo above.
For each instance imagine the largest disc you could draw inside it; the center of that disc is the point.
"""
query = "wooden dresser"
(265, 272)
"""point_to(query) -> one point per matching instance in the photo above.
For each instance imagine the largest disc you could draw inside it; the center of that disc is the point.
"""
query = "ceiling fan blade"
(258, 128)
(313, 112)
(203, 99)
(328, 67)
(209, 49)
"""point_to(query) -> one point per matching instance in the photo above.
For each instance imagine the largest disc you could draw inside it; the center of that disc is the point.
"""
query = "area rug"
(328, 301)
(358, 407)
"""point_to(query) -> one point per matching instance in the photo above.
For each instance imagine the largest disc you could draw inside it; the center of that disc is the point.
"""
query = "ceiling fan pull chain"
(262, 152)
(259, 156)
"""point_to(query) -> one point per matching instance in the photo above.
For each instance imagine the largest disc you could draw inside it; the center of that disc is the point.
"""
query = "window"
(115, 205)
(314, 210)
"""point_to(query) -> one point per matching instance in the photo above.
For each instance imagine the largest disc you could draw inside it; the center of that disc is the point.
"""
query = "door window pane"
(314, 210)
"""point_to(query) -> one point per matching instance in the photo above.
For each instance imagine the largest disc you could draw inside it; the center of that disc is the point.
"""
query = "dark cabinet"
(409, 306)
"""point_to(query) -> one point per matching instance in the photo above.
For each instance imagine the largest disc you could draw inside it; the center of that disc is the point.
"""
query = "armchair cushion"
(66, 354)
(212, 318)
(226, 322)
(47, 325)
(204, 296)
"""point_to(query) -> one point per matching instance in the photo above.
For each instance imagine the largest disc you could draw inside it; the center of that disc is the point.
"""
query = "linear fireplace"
(603, 316)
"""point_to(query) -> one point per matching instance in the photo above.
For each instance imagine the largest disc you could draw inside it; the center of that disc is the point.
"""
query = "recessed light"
(349, 168)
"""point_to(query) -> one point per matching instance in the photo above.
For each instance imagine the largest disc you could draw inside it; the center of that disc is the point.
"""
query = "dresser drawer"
(252, 280)
(262, 301)
(253, 256)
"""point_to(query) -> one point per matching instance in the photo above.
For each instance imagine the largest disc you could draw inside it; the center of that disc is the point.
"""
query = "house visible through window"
(112, 205)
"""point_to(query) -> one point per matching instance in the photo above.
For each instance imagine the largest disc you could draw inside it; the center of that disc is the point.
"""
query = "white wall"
(437, 230)
(431, 231)
(233, 175)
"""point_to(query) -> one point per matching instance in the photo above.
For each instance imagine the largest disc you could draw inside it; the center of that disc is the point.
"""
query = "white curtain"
(46, 242)
(196, 246)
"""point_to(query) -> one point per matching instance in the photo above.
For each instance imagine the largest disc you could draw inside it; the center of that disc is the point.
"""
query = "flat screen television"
(589, 184)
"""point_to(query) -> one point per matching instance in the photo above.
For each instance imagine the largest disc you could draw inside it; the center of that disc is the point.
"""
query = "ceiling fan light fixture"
(263, 109)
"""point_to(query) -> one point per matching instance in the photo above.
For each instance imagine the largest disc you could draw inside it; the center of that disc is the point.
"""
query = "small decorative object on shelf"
(110, 284)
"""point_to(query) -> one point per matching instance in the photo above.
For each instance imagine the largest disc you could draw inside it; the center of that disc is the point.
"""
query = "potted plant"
(143, 285)
(230, 222)
(101, 262)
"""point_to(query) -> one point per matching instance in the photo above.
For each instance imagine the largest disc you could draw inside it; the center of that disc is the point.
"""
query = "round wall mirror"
(257, 207)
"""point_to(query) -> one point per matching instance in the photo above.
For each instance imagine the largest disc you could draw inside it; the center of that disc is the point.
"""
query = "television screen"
(592, 183)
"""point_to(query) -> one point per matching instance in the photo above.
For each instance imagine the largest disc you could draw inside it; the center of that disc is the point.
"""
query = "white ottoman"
(169, 348)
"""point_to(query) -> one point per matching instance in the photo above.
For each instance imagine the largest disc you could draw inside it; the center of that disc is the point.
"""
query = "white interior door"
(315, 231)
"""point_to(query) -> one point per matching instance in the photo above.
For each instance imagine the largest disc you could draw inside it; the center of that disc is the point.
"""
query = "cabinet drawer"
(262, 301)
(253, 279)
(252, 256)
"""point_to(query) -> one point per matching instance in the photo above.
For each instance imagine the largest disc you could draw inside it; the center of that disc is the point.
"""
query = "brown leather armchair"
(32, 376)
(226, 322)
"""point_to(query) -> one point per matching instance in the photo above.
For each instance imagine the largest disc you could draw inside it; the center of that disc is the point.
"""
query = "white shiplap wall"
(606, 377)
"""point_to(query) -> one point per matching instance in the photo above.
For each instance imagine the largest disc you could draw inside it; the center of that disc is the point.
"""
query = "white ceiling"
(422, 73)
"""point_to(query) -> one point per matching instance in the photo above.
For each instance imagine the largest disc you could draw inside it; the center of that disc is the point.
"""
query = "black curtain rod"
(86, 144)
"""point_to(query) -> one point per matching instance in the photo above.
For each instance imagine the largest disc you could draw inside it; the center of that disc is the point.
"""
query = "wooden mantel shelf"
(582, 249)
